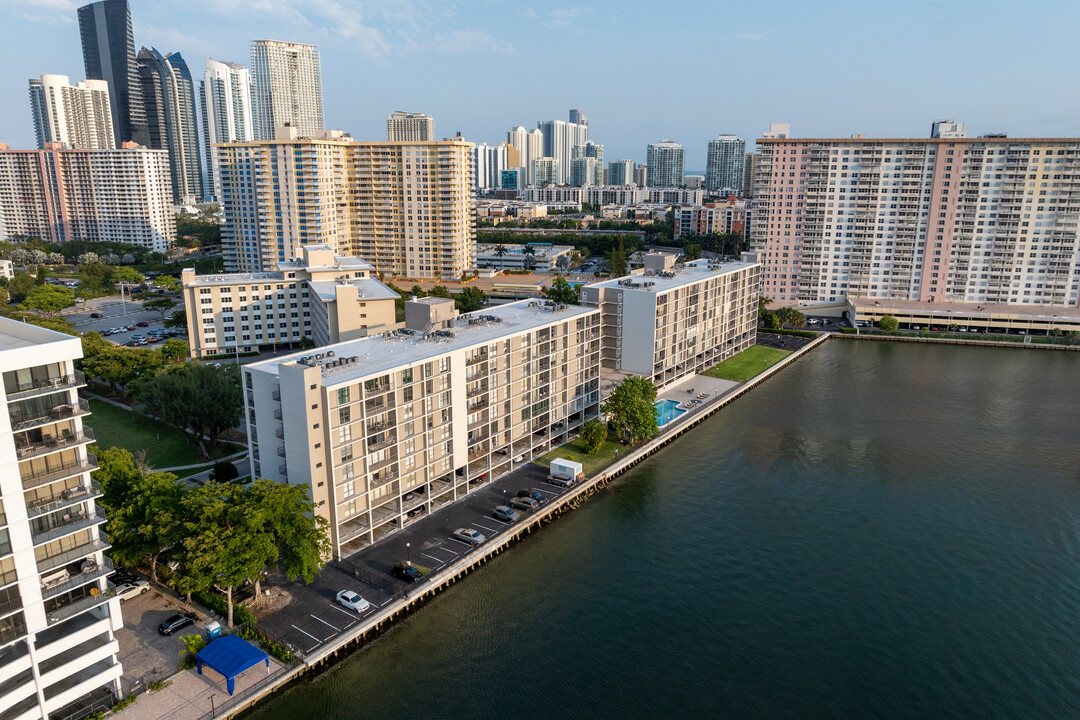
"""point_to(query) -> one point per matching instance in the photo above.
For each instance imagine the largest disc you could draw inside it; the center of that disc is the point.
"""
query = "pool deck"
(690, 387)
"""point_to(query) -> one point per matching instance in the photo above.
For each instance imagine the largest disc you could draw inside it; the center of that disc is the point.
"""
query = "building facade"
(108, 47)
(560, 137)
(58, 614)
(423, 417)
(676, 320)
(488, 164)
(529, 147)
(76, 115)
(730, 216)
(545, 172)
(60, 195)
(563, 194)
(621, 172)
(169, 103)
(320, 296)
(674, 195)
(287, 88)
(410, 127)
(614, 195)
(948, 219)
(226, 115)
(666, 162)
(724, 164)
(542, 256)
(405, 207)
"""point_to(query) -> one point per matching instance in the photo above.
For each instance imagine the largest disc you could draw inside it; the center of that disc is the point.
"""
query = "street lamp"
(408, 553)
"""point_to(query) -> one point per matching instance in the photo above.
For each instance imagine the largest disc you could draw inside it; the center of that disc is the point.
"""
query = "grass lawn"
(164, 445)
(591, 464)
(749, 363)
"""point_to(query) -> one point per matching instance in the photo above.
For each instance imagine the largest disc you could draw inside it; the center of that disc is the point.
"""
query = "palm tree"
(528, 250)
(500, 250)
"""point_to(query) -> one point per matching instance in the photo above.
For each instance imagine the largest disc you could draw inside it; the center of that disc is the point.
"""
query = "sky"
(640, 70)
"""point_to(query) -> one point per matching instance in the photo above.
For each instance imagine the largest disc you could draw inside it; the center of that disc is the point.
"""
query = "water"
(882, 530)
(666, 411)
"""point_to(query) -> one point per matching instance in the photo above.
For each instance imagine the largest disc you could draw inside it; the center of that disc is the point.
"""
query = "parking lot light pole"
(408, 553)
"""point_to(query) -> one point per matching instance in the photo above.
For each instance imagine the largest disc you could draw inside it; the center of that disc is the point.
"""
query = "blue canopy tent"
(230, 655)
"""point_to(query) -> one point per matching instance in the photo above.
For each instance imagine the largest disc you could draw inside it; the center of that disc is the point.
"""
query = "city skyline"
(380, 50)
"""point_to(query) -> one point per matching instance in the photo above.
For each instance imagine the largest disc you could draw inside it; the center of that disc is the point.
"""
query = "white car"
(353, 601)
(128, 590)
(470, 536)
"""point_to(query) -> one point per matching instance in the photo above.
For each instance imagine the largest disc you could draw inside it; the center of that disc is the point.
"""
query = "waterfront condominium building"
(676, 320)
(419, 418)
(728, 216)
(621, 172)
(665, 161)
(76, 115)
(320, 296)
(109, 54)
(61, 195)
(58, 614)
(169, 103)
(947, 219)
(529, 147)
(225, 92)
(724, 164)
(405, 207)
(488, 163)
(410, 127)
(287, 82)
(560, 137)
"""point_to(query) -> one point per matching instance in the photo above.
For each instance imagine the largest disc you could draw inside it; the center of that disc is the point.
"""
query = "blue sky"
(641, 71)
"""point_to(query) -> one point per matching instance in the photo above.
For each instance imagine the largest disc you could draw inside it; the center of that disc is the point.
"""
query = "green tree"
(224, 471)
(20, 286)
(500, 250)
(57, 324)
(42, 275)
(440, 291)
(797, 319)
(888, 323)
(1072, 338)
(630, 409)
(203, 400)
(593, 435)
(529, 262)
(122, 366)
(528, 250)
(692, 252)
(417, 291)
(617, 261)
(148, 519)
(562, 263)
(178, 319)
(116, 474)
(307, 343)
(126, 275)
(763, 304)
(772, 321)
(299, 533)
(5, 298)
(160, 305)
(166, 282)
(470, 299)
(48, 299)
(175, 350)
(561, 292)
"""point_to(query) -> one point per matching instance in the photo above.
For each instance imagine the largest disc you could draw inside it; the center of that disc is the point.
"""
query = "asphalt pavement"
(116, 313)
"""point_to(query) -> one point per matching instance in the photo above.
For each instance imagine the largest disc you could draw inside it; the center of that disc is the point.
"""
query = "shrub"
(216, 603)
(225, 471)
(130, 699)
(847, 331)
(593, 435)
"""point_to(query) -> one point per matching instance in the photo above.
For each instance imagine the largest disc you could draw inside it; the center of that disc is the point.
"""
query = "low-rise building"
(676, 320)
(390, 426)
(545, 257)
(321, 296)
(730, 216)
(58, 614)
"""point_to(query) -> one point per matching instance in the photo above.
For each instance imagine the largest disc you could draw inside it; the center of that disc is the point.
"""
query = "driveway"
(146, 655)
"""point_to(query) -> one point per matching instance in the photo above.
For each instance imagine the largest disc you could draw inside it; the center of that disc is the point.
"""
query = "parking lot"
(146, 655)
(312, 617)
(117, 314)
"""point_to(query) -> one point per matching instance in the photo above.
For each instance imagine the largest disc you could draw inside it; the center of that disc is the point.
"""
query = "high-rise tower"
(287, 82)
(109, 54)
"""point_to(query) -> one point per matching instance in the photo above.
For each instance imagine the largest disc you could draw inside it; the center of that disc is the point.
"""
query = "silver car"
(470, 536)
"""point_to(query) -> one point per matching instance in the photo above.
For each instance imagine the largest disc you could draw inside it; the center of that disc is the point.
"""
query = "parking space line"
(440, 547)
(503, 522)
(343, 611)
(493, 530)
(324, 622)
(463, 543)
(549, 492)
(309, 635)
(441, 562)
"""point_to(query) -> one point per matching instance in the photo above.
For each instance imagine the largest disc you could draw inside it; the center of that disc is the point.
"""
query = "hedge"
(796, 333)
(216, 603)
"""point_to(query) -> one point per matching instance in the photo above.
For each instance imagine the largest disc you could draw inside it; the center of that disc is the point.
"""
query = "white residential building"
(676, 320)
(530, 147)
(724, 165)
(425, 416)
(225, 92)
(545, 172)
(674, 195)
(544, 257)
(488, 164)
(58, 614)
(78, 116)
(614, 195)
(60, 195)
(320, 296)
(287, 81)
(666, 162)
(621, 172)
(564, 194)
(560, 137)
(410, 127)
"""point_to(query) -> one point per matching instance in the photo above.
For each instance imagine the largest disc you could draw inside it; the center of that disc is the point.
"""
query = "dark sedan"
(176, 622)
(406, 572)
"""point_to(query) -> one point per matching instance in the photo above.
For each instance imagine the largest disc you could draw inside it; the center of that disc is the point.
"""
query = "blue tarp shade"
(230, 655)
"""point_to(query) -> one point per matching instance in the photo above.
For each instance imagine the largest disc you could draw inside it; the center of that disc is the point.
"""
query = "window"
(343, 396)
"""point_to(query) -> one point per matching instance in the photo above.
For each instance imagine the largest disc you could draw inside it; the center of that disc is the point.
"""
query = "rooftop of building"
(369, 288)
(960, 311)
(234, 278)
(377, 354)
(683, 274)
(541, 249)
(15, 335)
(873, 140)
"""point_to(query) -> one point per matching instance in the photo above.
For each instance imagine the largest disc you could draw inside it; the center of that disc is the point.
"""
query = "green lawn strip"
(749, 363)
(591, 464)
(164, 445)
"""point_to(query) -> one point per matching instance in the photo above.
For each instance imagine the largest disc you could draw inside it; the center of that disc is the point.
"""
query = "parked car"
(524, 503)
(128, 590)
(353, 601)
(121, 577)
(96, 316)
(176, 622)
(143, 323)
(415, 511)
(406, 572)
(534, 494)
(469, 536)
(506, 514)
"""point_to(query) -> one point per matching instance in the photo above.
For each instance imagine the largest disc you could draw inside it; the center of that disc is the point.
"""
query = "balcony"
(33, 448)
(69, 523)
(50, 475)
(60, 559)
(71, 496)
(44, 386)
(91, 571)
(78, 607)
(26, 420)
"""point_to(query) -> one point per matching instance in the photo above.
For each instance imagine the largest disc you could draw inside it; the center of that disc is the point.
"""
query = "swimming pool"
(666, 411)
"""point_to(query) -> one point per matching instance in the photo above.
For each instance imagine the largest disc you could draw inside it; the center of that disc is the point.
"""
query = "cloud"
(749, 36)
(47, 11)
(558, 17)
(456, 42)
(169, 40)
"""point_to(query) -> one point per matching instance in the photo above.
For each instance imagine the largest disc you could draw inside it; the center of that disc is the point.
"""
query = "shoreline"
(397, 610)
(958, 341)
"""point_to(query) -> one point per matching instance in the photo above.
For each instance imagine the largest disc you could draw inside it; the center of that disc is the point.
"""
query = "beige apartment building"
(674, 320)
(321, 296)
(391, 426)
(58, 614)
(407, 207)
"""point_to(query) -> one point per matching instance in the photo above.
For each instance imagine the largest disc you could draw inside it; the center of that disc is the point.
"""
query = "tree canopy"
(470, 299)
(160, 305)
(630, 409)
(561, 292)
(593, 435)
(48, 299)
(888, 323)
(202, 400)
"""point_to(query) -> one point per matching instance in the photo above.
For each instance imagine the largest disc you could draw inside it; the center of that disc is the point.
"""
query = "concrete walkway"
(189, 694)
